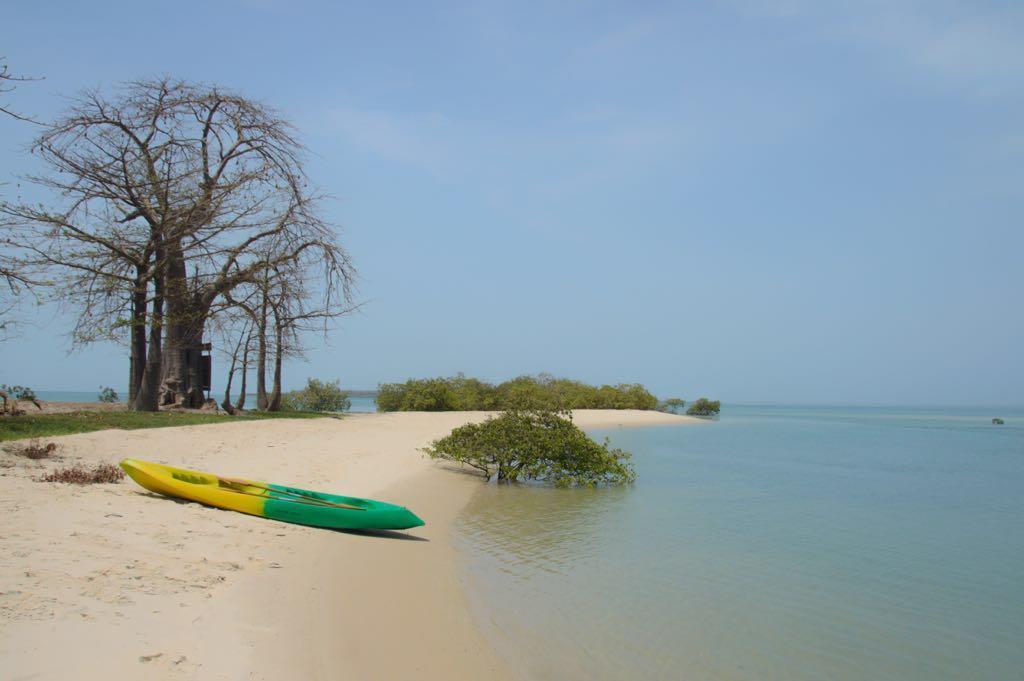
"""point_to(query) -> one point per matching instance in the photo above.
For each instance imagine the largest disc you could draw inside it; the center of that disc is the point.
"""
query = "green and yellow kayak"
(289, 504)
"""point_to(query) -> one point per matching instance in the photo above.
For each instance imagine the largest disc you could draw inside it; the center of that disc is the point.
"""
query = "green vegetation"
(704, 407)
(47, 425)
(997, 421)
(20, 392)
(317, 396)
(535, 445)
(541, 392)
(108, 395)
(672, 405)
(10, 395)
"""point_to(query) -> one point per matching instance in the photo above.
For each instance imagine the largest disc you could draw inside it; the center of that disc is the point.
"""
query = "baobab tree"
(173, 195)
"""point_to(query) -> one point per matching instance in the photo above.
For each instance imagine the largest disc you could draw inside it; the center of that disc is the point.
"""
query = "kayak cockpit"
(193, 479)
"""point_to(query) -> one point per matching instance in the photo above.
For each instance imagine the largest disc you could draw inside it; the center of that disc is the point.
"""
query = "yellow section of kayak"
(205, 488)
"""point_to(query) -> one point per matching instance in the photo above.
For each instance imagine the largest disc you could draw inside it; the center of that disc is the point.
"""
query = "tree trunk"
(228, 407)
(245, 373)
(175, 371)
(194, 395)
(275, 395)
(261, 358)
(226, 404)
(148, 396)
(186, 323)
(137, 357)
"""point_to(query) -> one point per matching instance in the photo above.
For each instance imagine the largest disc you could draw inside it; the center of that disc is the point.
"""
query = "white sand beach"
(114, 582)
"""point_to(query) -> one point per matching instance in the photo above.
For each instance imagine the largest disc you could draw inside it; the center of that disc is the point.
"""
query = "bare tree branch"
(169, 197)
(8, 82)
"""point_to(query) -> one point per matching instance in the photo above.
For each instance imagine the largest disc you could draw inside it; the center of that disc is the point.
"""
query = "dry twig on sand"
(33, 449)
(79, 475)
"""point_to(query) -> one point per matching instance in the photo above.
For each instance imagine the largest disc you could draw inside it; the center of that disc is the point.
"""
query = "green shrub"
(459, 393)
(20, 392)
(108, 395)
(423, 395)
(319, 396)
(535, 445)
(672, 405)
(704, 407)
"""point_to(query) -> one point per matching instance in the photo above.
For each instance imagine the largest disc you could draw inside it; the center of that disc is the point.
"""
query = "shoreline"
(125, 583)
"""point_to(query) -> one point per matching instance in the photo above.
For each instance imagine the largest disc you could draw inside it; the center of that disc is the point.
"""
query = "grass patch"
(49, 425)
(79, 475)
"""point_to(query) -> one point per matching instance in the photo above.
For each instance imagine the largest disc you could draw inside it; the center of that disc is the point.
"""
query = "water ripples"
(741, 555)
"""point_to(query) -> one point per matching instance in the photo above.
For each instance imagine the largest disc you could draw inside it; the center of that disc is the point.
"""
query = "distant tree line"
(543, 392)
(176, 211)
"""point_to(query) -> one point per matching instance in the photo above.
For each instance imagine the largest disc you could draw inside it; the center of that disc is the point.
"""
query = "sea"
(360, 404)
(778, 542)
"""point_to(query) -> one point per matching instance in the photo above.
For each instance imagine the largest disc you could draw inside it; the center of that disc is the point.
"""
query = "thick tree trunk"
(147, 398)
(194, 395)
(185, 325)
(175, 372)
(182, 385)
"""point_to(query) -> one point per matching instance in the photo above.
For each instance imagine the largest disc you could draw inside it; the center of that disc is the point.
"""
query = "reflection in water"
(528, 528)
(803, 544)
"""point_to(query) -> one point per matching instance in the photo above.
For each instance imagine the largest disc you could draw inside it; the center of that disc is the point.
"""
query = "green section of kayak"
(294, 505)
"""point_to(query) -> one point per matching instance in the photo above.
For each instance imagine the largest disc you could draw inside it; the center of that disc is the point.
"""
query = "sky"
(779, 201)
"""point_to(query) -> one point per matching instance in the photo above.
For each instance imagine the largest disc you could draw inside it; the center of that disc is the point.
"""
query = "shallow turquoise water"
(777, 543)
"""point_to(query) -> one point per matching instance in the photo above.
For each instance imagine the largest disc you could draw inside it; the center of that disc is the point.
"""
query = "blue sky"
(759, 201)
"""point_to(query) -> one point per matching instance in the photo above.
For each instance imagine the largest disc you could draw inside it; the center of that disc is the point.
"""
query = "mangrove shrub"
(107, 395)
(704, 407)
(672, 405)
(317, 396)
(460, 393)
(521, 445)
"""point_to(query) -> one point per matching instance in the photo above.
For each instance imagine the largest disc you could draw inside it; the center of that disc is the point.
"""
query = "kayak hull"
(267, 500)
